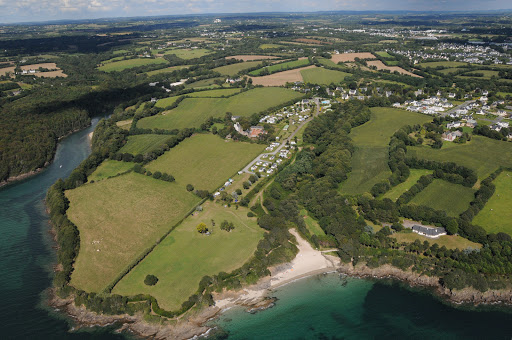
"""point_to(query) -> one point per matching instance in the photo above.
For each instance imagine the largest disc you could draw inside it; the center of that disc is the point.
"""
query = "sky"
(12, 11)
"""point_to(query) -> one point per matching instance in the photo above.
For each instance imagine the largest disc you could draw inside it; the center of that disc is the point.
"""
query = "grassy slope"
(113, 232)
(446, 64)
(231, 70)
(189, 54)
(185, 256)
(449, 241)
(130, 63)
(484, 155)
(369, 162)
(165, 102)
(109, 168)
(192, 112)
(328, 62)
(125, 124)
(205, 161)
(311, 223)
(496, 216)
(143, 143)
(323, 76)
(281, 67)
(166, 70)
(443, 195)
(398, 190)
(217, 93)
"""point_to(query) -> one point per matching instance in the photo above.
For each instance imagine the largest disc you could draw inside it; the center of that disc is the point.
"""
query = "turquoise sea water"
(322, 307)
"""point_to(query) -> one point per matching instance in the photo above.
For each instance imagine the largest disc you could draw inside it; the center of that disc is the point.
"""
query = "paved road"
(444, 114)
(276, 151)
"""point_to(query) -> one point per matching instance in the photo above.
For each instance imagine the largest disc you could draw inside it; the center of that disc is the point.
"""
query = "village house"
(428, 232)
(451, 136)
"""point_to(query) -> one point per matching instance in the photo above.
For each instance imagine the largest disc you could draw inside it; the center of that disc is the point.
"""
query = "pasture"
(486, 74)
(330, 63)
(384, 54)
(449, 241)
(269, 46)
(185, 256)
(125, 124)
(444, 64)
(251, 57)
(398, 190)
(496, 215)
(370, 160)
(442, 195)
(484, 155)
(140, 144)
(281, 78)
(192, 112)
(231, 70)
(109, 168)
(217, 93)
(130, 63)
(113, 232)
(166, 70)
(281, 67)
(323, 76)
(189, 53)
(166, 102)
(206, 161)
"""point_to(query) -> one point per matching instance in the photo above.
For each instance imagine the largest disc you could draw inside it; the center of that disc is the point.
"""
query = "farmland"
(166, 102)
(380, 66)
(189, 53)
(231, 70)
(446, 64)
(281, 78)
(323, 76)
(496, 215)
(140, 144)
(185, 256)
(251, 57)
(330, 63)
(484, 155)
(486, 74)
(125, 124)
(344, 57)
(269, 46)
(281, 67)
(369, 161)
(191, 112)
(130, 63)
(109, 168)
(384, 54)
(166, 70)
(449, 241)
(398, 190)
(120, 229)
(217, 93)
(205, 161)
(446, 196)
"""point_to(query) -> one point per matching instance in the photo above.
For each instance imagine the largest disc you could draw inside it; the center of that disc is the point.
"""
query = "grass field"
(189, 53)
(446, 196)
(398, 190)
(192, 112)
(231, 70)
(217, 93)
(109, 168)
(312, 224)
(143, 143)
(323, 76)
(451, 70)
(269, 46)
(446, 64)
(166, 70)
(185, 256)
(449, 241)
(210, 83)
(165, 102)
(370, 160)
(125, 124)
(281, 67)
(205, 161)
(328, 62)
(113, 232)
(496, 215)
(487, 74)
(384, 54)
(130, 63)
(484, 155)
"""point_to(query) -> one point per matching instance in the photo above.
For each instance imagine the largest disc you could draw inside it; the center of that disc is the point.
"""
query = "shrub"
(190, 187)
(250, 214)
(150, 280)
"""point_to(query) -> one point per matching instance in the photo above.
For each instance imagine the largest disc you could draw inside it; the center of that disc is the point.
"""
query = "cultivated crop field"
(109, 168)
(250, 57)
(130, 63)
(281, 78)
(185, 256)
(484, 155)
(231, 70)
(449, 241)
(140, 144)
(496, 215)
(269, 46)
(113, 232)
(281, 67)
(380, 66)
(344, 57)
(446, 196)
(323, 76)
(192, 112)
(370, 160)
(206, 161)
(398, 190)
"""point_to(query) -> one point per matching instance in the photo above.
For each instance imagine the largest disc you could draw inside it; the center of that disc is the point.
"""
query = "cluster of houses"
(253, 132)
(224, 187)
(431, 105)
(296, 113)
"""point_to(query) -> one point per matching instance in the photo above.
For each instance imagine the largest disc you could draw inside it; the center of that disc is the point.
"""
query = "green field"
(125, 124)
(331, 63)
(166, 70)
(109, 168)
(496, 215)
(446, 196)
(189, 53)
(130, 63)
(484, 155)
(185, 256)
(210, 83)
(205, 161)
(451, 70)
(398, 190)
(312, 224)
(384, 55)
(231, 70)
(487, 74)
(113, 232)
(446, 64)
(166, 102)
(192, 112)
(449, 241)
(217, 93)
(370, 160)
(322, 76)
(281, 67)
(269, 46)
(143, 143)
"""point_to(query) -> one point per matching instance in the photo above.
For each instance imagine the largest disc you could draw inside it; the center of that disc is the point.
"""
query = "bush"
(190, 187)
(150, 280)
(250, 214)
(157, 175)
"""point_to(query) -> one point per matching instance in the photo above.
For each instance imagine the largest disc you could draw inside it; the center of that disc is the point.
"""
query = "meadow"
(487, 74)
(109, 168)
(281, 78)
(192, 112)
(442, 195)
(398, 190)
(125, 124)
(113, 232)
(370, 160)
(217, 93)
(449, 241)
(496, 215)
(323, 76)
(445, 64)
(166, 70)
(140, 144)
(189, 53)
(206, 161)
(231, 70)
(281, 67)
(484, 155)
(185, 256)
(130, 63)
(166, 102)
(384, 54)
(269, 46)
(312, 224)
(330, 63)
